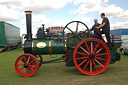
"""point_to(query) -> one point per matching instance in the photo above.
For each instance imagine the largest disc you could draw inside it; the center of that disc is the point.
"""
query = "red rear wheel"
(91, 56)
(26, 65)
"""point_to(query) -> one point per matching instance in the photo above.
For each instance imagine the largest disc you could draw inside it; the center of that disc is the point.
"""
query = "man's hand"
(97, 27)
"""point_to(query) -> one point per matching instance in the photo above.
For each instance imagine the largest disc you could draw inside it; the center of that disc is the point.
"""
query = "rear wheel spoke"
(84, 50)
(95, 64)
(91, 47)
(101, 54)
(99, 63)
(96, 47)
(81, 58)
(81, 53)
(90, 66)
(87, 47)
(86, 65)
(83, 62)
(99, 50)
(100, 58)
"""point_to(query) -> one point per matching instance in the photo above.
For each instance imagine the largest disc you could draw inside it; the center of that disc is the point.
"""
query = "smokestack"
(28, 25)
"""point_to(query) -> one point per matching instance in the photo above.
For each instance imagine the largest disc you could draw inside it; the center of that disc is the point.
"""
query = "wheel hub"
(75, 34)
(91, 56)
(25, 65)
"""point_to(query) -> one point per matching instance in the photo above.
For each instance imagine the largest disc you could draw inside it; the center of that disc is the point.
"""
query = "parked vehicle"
(124, 47)
(9, 36)
(120, 34)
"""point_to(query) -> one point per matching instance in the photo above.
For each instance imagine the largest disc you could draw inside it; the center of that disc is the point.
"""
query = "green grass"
(58, 74)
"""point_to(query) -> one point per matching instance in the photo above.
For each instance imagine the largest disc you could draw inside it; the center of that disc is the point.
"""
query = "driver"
(94, 27)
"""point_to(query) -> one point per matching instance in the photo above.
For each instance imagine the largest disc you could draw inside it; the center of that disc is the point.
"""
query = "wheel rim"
(74, 34)
(40, 60)
(91, 56)
(26, 65)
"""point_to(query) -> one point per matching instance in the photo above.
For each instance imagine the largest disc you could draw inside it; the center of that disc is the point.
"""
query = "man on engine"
(105, 28)
(94, 27)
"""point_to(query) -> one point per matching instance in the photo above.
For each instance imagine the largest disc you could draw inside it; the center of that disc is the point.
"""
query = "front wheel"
(26, 65)
(91, 56)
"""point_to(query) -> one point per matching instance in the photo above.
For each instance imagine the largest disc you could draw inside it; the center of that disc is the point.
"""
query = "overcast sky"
(60, 12)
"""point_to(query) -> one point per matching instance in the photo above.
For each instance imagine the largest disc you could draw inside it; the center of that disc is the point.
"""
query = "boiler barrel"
(48, 47)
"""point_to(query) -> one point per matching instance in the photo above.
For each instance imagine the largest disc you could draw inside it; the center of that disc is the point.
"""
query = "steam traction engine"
(91, 56)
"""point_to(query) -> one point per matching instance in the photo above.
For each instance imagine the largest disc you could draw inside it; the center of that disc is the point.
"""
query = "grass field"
(58, 74)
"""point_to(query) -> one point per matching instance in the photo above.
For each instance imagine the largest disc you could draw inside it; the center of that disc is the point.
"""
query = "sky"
(61, 12)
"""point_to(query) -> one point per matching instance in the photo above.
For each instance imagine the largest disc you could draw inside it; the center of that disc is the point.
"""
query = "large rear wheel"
(91, 56)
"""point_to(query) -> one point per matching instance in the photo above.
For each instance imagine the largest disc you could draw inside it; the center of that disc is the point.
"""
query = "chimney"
(28, 25)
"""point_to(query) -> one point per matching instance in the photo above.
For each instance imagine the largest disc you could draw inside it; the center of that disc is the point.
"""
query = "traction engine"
(91, 56)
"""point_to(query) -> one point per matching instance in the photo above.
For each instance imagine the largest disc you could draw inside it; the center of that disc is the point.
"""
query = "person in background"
(105, 29)
(96, 24)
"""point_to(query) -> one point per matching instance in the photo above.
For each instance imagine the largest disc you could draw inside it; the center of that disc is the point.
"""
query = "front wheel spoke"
(99, 50)
(96, 46)
(100, 58)
(99, 63)
(21, 61)
(95, 64)
(32, 65)
(32, 61)
(28, 59)
(81, 53)
(24, 58)
(101, 54)
(86, 65)
(81, 58)
(90, 66)
(84, 50)
(28, 71)
(24, 70)
(20, 64)
(31, 69)
(21, 68)
(83, 62)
